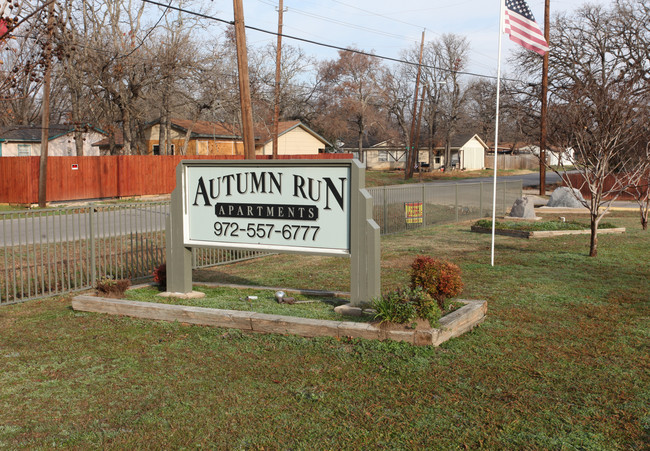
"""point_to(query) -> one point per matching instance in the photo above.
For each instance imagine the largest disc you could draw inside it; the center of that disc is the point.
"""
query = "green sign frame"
(316, 207)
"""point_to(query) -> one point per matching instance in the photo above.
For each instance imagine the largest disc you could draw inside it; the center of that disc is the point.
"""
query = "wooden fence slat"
(102, 177)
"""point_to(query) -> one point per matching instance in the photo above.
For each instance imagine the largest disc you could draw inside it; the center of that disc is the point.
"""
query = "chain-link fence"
(403, 207)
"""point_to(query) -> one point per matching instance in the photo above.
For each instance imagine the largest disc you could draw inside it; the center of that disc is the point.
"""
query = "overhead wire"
(331, 46)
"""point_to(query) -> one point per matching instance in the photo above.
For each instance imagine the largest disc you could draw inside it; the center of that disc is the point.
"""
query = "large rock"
(523, 208)
(566, 197)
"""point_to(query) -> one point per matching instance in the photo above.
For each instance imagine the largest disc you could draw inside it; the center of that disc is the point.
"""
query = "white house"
(467, 152)
(21, 140)
(555, 157)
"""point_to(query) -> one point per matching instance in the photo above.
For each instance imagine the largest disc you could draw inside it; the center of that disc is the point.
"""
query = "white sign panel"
(297, 207)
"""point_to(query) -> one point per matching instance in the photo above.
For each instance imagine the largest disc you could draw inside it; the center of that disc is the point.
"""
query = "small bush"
(113, 288)
(405, 305)
(160, 276)
(439, 278)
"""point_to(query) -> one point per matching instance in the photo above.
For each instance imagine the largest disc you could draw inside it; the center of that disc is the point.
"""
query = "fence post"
(424, 205)
(456, 201)
(385, 200)
(91, 233)
(505, 191)
(480, 201)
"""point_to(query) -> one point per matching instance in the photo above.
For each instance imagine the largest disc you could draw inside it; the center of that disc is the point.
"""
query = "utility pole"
(45, 110)
(278, 61)
(244, 83)
(417, 129)
(410, 160)
(542, 137)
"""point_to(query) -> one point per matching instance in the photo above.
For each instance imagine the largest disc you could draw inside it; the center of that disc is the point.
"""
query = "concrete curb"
(543, 233)
(452, 325)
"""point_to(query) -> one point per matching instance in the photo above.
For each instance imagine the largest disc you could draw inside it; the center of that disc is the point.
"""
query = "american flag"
(520, 25)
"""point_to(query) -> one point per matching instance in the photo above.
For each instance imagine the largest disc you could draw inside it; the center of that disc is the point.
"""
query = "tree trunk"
(447, 155)
(78, 135)
(644, 218)
(361, 157)
(593, 245)
(162, 134)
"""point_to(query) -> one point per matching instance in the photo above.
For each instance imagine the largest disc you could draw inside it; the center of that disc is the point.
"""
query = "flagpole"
(496, 133)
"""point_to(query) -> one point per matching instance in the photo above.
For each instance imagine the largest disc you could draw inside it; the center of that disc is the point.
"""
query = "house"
(294, 138)
(22, 140)
(467, 152)
(220, 138)
(555, 157)
(205, 138)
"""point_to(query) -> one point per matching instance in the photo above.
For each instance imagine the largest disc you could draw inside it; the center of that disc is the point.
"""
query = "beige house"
(219, 138)
(20, 140)
(294, 138)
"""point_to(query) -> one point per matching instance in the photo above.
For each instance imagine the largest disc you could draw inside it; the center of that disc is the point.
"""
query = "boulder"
(523, 208)
(566, 197)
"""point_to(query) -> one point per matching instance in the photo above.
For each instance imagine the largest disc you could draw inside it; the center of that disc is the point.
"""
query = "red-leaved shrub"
(441, 279)
(160, 276)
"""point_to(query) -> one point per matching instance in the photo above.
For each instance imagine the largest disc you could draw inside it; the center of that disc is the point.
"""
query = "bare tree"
(453, 58)
(597, 108)
(352, 95)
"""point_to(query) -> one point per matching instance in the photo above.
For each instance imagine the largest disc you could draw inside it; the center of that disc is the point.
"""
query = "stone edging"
(451, 325)
(542, 233)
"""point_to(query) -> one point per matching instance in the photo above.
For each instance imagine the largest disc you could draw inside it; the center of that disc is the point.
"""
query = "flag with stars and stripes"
(520, 25)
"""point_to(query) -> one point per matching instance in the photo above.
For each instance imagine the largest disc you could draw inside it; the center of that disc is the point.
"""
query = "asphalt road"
(528, 180)
(46, 228)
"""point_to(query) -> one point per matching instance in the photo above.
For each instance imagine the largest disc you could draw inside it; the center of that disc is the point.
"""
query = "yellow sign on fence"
(413, 212)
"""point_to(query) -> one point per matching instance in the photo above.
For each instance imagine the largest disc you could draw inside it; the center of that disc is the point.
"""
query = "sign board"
(75, 167)
(413, 212)
(317, 207)
(297, 208)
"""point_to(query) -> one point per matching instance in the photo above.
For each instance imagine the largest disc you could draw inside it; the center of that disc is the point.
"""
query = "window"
(382, 155)
(156, 149)
(24, 150)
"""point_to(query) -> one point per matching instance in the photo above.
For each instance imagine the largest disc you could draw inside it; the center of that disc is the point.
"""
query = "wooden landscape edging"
(542, 233)
(452, 325)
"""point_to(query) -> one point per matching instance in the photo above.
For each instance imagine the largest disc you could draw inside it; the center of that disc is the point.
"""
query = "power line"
(323, 44)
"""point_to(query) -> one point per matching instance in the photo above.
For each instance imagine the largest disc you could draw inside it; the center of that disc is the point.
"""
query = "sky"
(387, 27)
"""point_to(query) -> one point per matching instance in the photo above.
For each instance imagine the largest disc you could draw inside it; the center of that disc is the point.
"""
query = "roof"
(222, 130)
(458, 141)
(205, 129)
(285, 127)
(33, 134)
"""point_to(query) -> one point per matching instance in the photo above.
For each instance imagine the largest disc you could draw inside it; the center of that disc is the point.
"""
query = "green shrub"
(539, 225)
(406, 305)
(439, 278)
(113, 288)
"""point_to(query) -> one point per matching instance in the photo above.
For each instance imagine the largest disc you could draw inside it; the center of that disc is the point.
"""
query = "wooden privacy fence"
(524, 161)
(77, 178)
(611, 183)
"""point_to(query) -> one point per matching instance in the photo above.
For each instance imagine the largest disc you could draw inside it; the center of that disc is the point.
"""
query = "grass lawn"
(561, 361)
(226, 298)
